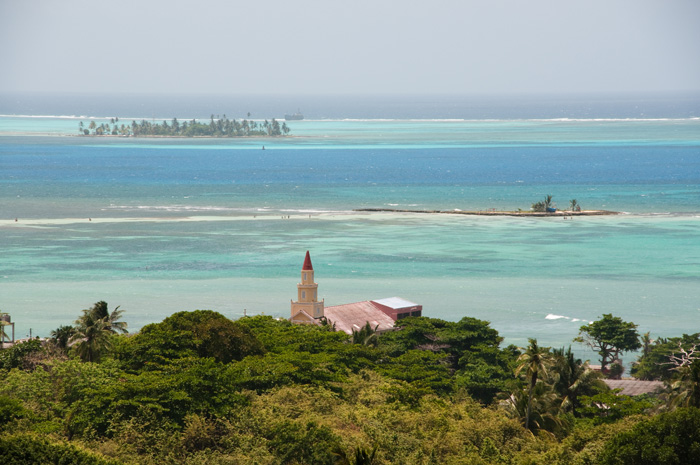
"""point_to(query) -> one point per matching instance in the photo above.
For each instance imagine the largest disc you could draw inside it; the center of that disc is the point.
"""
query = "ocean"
(158, 226)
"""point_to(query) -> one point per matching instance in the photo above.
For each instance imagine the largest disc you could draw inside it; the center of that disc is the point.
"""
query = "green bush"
(669, 438)
(24, 449)
(14, 356)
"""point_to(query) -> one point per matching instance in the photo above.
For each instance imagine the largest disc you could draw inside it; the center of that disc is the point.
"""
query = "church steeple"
(307, 262)
(307, 292)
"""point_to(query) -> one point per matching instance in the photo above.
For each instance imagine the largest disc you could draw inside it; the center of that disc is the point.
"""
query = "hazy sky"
(326, 46)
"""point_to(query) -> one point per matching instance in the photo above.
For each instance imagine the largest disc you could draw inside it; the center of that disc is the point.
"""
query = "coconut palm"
(547, 202)
(91, 338)
(573, 379)
(534, 361)
(94, 330)
(100, 311)
(360, 456)
(62, 335)
(544, 408)
(367, 335)
(685, 391)
(573, 204)
(646, 341)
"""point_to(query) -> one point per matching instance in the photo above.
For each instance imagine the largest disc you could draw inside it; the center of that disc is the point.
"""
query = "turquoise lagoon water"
(159, 226)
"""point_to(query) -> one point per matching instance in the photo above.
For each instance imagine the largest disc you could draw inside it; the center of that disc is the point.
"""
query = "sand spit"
(558, 213)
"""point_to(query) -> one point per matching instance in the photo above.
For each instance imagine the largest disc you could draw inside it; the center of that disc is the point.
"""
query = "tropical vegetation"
(216, 127)
(610, 337)
(543, 205)
(199, 388)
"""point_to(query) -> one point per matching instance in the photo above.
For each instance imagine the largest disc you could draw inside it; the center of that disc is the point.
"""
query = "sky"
(349, 47)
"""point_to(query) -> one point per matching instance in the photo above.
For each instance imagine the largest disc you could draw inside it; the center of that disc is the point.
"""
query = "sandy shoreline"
(367, 214)
(374, 214)
(558, 213)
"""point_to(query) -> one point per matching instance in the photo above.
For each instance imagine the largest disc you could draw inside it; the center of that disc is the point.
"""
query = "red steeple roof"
(307, 263)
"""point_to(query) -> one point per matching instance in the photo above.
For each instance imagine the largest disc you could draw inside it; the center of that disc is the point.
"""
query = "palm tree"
(534, 361)
(646, 341)
(574, 379)
(94, 329)
(547, 202)
(360, 456)
(367, 335)
(685, 391)
(545, 408)
(573, 204)
(364, 456)
(100, 311)
(62, 335)
(90, 338)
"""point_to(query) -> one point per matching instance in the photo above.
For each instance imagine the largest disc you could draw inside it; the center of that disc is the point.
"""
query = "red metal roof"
(307, 263)
(354, 316)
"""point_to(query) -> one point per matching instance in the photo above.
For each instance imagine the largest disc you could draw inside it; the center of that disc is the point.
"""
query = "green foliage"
(296, 443)
(424, 370)
(93, 331)
(657, 360)
(610, 406)
(542, 205)
(283, 336)
(15, 356)
(100, 311)
(198, 388)
(685, 389)
(10, 410)
(62, 335)
(219, 127)
(201, 333)
(470, 349)
(22, 449)
(573, 379)
(533, 362)
(548, 389)
(610, 336)
(669, 438)
(272, 370)
(366, 335)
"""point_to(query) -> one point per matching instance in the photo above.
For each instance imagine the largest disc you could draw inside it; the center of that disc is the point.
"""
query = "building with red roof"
(380, 314)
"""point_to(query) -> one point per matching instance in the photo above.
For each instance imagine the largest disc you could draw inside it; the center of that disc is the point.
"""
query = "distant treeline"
(216, 127)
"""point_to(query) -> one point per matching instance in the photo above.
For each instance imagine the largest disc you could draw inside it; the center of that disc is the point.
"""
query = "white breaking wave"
(552, 316)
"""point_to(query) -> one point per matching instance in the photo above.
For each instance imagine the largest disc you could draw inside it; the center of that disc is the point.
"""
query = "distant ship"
(295, 117)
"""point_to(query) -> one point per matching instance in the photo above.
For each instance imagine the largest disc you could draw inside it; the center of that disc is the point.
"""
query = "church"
(380, 314)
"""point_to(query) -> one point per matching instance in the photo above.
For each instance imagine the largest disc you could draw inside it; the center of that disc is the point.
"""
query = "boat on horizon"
(294, 117)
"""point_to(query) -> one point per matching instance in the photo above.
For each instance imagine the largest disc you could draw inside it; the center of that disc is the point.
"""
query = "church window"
(303, 294)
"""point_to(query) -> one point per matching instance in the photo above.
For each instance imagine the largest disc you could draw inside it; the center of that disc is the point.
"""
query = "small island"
(539, 209)
(217, 127)
(494, 212)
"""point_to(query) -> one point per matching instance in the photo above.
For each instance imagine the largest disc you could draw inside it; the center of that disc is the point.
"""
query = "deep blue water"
(652, 178)
(335, 107)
